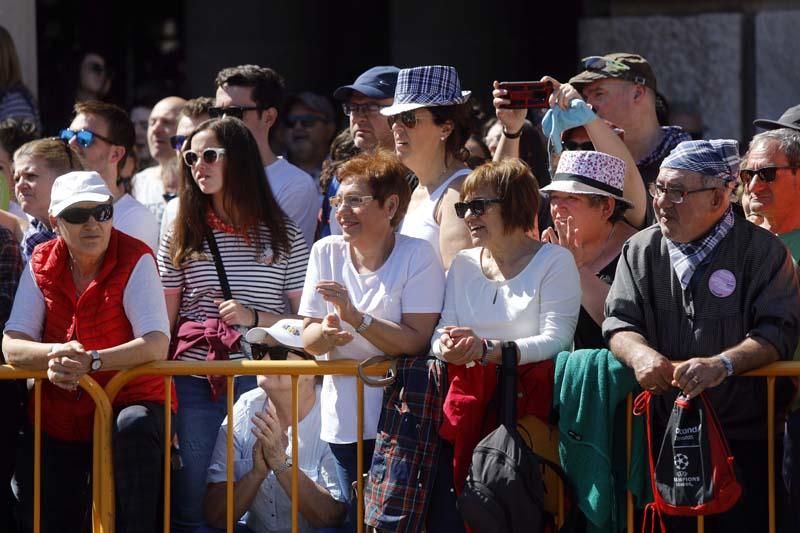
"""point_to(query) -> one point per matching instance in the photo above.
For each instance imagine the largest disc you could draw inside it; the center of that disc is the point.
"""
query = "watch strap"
(728, 364)
(366, 320)
(284, 466)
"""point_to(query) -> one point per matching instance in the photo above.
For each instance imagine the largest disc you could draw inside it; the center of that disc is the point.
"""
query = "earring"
(442, 138)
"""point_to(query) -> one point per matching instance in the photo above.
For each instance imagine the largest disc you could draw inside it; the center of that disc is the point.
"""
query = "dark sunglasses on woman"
(80, 215)
(409, 119)
(477, 206)
(209, 155)
(84, 138)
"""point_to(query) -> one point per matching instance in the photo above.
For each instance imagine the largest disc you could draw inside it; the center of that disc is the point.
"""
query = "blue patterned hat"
(429, 86)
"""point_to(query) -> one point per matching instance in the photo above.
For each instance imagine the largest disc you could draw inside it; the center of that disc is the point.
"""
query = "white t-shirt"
(143, 301)
(148, 190)
(271, 510)
(410, 281)
(169, 215)
(421, 223)
(538, 308)
(254, 278)
(136, 220)
(296, 193)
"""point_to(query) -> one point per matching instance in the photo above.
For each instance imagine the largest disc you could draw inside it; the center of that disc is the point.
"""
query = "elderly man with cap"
(362, 102)
(771, 192)
(262, 453)
(717, 294)
(91, 302)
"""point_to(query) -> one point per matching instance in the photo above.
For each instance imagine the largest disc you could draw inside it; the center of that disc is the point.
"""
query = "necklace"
(603, 248)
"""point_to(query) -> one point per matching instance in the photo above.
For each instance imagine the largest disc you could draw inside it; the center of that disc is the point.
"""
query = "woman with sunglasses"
(90, 302)
(228, 215)
(509, 287)
(430, 120)
(370, 291)
(37, 164)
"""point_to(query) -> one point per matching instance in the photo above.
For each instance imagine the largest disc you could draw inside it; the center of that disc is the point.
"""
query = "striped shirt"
(254, 280)
(18, 103)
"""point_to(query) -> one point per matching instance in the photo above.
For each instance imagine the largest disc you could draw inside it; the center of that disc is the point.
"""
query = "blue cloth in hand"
(558, 120)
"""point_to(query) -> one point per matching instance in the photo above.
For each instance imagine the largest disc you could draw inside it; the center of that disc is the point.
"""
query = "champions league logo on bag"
(693, 474)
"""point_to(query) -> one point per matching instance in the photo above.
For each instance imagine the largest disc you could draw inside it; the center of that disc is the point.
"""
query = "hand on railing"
(67, 363)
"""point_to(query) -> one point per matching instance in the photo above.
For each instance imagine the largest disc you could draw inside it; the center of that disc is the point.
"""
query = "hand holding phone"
(527, 94)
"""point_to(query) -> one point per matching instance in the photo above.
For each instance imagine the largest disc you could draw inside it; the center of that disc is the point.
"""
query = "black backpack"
(505, 489)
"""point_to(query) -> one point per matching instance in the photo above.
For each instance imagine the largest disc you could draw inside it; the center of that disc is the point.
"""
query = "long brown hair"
(247, 197)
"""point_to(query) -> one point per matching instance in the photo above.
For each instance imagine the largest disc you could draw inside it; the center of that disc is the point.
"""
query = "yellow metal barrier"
(102, 519)
(772, 371)
(295, 369)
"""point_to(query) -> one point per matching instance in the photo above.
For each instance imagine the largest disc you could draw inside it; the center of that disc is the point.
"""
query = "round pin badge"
(722, 283)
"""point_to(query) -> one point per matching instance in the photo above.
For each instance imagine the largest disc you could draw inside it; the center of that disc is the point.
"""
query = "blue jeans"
(346, 472)
(197, 425)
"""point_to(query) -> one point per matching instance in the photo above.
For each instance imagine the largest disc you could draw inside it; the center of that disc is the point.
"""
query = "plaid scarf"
(673, 135)
(686, 257)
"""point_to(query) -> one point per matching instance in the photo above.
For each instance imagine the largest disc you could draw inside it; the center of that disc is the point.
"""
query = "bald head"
(162, 125)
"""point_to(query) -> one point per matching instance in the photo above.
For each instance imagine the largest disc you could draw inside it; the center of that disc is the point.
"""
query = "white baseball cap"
(76, 187)
(286, 332)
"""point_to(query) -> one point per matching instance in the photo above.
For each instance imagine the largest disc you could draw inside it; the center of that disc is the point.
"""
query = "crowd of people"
(252, 229)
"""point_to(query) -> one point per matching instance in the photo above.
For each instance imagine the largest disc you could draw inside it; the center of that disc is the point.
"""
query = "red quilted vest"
(97, 320)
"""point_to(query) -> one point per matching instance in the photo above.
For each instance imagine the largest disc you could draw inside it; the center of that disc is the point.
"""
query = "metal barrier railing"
(102, 520)
(102, 467)
(295, 369)
(771, 372)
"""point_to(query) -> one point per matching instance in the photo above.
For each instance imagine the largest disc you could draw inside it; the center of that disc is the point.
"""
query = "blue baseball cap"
(377, 82)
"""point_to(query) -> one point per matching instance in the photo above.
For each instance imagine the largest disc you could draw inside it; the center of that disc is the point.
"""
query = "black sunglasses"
(177, 141)
(767, 174)
(80, 215)
(571, 146)
(409, 119)
(232, 111)
(276, 353)
(84, 138)
(477, 206)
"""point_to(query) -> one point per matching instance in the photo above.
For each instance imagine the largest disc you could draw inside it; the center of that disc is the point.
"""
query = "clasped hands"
(343, 311)
(655, 373)
(269, 450)
(460, 345)
(67, 363)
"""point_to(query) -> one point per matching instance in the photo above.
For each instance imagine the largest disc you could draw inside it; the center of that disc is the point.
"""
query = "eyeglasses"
(307, 121)
(352, 202)
(408, 118)
(477, 206)
(767, 174)
(604, 64)
(232, 111)
(84, 138)
(177, 141)
(80, 215)
(675, 196)
(369, 110)
(571, 146)
(209, 155)
(276, 353)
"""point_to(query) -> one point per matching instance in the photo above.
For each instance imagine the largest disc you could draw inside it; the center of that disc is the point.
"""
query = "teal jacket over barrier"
(589, 396)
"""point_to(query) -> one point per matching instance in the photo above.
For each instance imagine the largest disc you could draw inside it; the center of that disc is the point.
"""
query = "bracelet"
(512, 135)
(485, 356)
(255, 317)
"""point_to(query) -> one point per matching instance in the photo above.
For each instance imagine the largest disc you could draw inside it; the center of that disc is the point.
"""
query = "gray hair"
(786, 139)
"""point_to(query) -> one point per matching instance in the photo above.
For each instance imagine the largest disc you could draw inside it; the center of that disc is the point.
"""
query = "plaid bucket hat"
(429, 86)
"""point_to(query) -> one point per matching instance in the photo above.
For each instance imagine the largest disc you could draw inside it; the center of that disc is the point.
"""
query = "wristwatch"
(488, 347)
(728, 364)
(366, 320)
(97, 363)
(284, 466)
